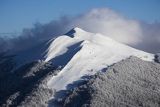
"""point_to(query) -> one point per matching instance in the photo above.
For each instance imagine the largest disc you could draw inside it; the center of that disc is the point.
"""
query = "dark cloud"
(138, 34)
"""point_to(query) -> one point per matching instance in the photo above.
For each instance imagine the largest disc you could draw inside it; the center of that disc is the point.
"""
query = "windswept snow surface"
(86, 53)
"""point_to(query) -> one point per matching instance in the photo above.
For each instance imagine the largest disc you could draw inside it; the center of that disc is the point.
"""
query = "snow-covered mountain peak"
(76, 32)
(80, 34)
(83, 53)
(77, 29)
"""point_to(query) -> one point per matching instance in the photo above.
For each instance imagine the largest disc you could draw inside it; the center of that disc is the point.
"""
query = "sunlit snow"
(88, 53)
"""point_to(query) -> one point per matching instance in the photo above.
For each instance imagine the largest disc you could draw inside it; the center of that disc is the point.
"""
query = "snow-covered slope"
(83, 53)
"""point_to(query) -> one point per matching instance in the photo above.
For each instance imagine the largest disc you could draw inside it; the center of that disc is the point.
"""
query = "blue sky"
(18, 14)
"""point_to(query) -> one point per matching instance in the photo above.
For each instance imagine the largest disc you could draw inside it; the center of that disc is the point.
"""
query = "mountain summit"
(82, 53)
(75, 31)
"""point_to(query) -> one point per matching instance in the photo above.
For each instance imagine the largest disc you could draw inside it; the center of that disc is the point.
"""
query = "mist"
(138, 34)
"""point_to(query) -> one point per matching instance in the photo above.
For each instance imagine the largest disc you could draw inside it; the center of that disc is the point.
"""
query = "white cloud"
(111, 24)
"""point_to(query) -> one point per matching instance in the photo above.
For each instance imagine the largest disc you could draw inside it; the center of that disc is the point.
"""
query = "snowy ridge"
(86, 53)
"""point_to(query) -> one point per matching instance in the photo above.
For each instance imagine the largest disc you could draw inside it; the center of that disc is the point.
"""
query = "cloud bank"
(135, 33)
(111, 24)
